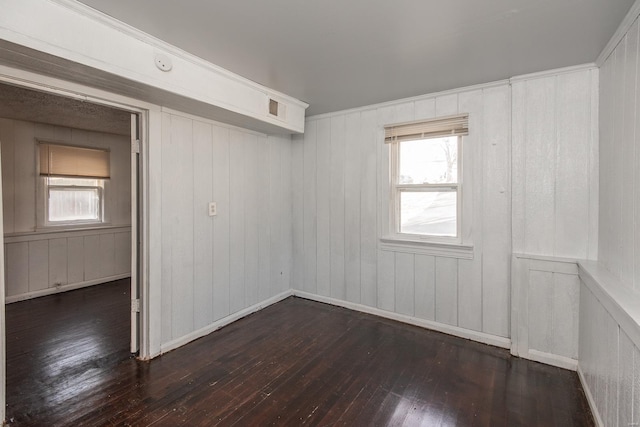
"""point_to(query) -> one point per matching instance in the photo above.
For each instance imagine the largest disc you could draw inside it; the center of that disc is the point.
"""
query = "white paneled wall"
(215, 267)
(619, 247)
(340, 193)
(609, 346)
(555, 164)
(39, 261)
(19, 174)
(546, 297)
(46, 263)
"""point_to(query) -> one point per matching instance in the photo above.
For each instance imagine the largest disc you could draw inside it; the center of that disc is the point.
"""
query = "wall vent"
(277, 109)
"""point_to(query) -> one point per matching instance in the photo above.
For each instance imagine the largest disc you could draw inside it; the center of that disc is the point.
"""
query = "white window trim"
(80, 222)
(393, 240)
(42, 193)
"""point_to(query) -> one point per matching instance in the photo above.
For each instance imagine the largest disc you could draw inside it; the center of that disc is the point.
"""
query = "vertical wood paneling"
(425, 287)
(323, 193)
(540, 310)
(75, 259)
(217, 266)
(182, 232)
(251, 244)
(7, 139)
(386, 280)
(564, 304)
(368, 209)
(405, 292)
(107, 250)
(337, 220)
(496, 211)
(20, 202)
(168, 200)
(57, 262)
(619, 156)
(123, 253)
(203, 240)
(276, 209)
(221, 223)
(447, 291)
(298, 195)
(310, 218)
(470, 283)
(625, 379)
(285, 219)
(572, 179)
(265, 211)
(237, 221)
(38, 265)
(92, 267)
(25, 177)
(17, 257)
(352, 204)
(540, 148)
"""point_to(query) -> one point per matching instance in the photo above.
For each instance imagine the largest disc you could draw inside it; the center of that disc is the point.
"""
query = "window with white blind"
(426, 179)
(73, 181)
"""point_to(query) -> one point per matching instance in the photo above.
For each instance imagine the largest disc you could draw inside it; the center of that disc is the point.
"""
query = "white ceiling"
(338, 54)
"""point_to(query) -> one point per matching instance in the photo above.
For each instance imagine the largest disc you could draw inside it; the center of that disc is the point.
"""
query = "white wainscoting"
(44, 263)
(609, 366)
(544, 319)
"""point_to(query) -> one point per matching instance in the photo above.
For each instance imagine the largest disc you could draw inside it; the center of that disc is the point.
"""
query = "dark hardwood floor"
(295, 363)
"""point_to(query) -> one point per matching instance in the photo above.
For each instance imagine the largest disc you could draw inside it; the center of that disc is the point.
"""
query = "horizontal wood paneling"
(19, 173)
(619, 226)
(213, 267)
(340, 211)
(45, 263)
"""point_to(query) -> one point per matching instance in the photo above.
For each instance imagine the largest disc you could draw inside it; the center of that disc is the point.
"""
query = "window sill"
(448, 250)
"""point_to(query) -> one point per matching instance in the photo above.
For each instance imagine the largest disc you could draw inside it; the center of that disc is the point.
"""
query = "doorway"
(44, 278)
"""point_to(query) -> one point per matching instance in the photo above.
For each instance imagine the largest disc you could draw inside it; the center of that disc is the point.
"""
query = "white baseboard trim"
(590, 399)
(551, 359)
(440, 327)
(179, 342)
(64, 288)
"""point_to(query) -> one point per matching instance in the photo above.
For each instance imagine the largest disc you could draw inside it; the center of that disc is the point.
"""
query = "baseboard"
(590, 399)
(440, 327)
(179, 342)
(552, 359)
(64, 288)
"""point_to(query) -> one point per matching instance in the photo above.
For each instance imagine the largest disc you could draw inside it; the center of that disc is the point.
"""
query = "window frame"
(42, 193)
(101, 203)
(396, 189)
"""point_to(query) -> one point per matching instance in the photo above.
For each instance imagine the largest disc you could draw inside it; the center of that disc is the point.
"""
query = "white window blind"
(68, 161)
(457, 125)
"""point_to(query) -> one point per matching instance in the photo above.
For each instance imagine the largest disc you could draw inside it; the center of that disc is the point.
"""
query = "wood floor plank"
(297, 362)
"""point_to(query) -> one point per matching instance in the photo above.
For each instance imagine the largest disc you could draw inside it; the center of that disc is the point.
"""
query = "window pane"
(74, 204)
(429, 161)
(430, 213)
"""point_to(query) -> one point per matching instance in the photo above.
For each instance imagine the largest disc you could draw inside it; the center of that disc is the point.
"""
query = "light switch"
(213, 211)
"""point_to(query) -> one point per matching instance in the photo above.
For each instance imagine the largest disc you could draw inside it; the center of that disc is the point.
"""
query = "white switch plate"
(213, 211)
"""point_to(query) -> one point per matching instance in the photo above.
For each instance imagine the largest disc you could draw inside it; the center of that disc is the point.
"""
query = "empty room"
(320, 213)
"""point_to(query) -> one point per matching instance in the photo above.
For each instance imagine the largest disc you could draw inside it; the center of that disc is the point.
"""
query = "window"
(73, 200)
(74, 182)
(426, 179)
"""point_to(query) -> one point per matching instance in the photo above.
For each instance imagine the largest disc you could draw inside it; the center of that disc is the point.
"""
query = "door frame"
(148, 127)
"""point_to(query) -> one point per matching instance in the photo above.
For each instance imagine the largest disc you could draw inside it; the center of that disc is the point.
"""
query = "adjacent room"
(360, 213)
